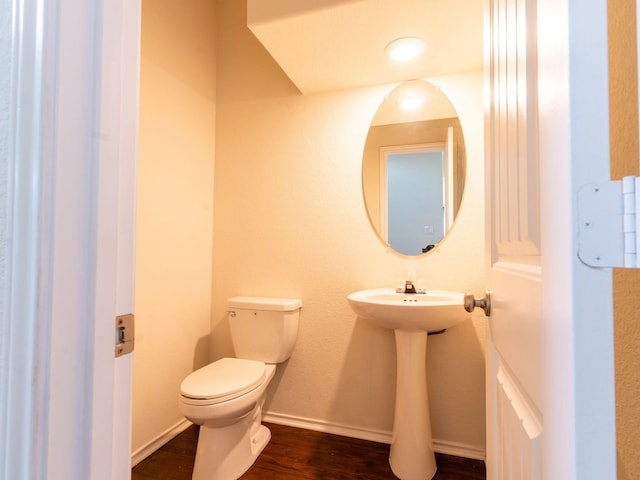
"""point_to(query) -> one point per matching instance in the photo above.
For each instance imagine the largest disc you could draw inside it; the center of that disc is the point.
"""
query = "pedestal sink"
(411, 316)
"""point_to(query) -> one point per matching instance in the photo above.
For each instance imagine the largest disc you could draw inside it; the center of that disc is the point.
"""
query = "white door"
(70, 146)
(550, 383)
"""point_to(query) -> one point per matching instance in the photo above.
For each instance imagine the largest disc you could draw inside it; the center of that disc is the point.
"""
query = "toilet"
(226, 397)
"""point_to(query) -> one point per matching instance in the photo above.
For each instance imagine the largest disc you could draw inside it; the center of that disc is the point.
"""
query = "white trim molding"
(380, 436)
(27, 235)
(169, 434)
(72, 68)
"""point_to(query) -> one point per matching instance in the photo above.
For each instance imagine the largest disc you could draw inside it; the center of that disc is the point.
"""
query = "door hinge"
(607, 223)
(125, 332)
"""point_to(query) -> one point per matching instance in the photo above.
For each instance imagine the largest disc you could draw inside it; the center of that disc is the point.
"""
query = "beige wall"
(624, 161)
(175, 209)
(290, 221)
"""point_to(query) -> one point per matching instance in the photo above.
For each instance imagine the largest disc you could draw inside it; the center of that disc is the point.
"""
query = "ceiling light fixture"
(404, 49)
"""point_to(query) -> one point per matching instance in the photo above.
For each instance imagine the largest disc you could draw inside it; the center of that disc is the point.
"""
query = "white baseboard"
(380, 436)
(326, 427)
(440, 446)
(169, 434)
(459, 450)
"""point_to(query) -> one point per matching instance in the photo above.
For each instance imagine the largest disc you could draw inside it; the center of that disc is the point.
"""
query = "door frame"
(578, 304)
(72, 146)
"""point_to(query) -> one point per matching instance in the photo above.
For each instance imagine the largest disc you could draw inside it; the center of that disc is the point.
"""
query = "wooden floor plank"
(298, 454)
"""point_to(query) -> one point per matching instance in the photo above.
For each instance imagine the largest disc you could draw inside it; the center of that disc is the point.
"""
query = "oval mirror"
(413, 168)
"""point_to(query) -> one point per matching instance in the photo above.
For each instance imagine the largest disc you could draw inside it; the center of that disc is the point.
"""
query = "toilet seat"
(222, 380)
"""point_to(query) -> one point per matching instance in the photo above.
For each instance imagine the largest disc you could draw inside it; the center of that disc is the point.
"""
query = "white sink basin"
(432, 311)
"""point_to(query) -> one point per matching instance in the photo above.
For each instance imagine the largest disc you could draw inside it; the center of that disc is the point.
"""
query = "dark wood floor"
(297, 454)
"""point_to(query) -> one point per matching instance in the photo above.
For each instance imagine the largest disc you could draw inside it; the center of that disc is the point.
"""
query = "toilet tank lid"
(265, 303)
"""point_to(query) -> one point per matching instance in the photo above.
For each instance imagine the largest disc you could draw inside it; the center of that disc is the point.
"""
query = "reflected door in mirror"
(415, 199)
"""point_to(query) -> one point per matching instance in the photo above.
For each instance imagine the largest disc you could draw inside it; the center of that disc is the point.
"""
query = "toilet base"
(227, 452)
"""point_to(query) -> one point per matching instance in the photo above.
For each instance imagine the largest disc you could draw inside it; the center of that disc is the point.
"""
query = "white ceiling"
(325, 45)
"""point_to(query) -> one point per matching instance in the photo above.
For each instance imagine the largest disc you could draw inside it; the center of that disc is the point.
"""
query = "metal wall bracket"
(607, 223)
(125, 333)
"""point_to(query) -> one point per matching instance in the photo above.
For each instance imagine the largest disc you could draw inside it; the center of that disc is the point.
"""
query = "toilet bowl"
(226, 397)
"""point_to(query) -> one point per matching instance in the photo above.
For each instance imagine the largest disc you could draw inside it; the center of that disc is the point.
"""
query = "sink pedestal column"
(411, 456)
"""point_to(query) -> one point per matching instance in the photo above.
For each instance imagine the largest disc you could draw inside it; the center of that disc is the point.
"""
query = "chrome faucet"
(409, 287)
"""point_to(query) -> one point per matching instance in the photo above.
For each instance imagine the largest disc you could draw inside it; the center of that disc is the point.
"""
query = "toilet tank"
(264, 328)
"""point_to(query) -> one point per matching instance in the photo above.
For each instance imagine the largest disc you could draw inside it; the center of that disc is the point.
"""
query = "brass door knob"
(471, 303)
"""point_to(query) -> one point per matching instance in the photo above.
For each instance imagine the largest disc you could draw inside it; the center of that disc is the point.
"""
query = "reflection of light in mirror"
(411, 103)
(404, 49)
